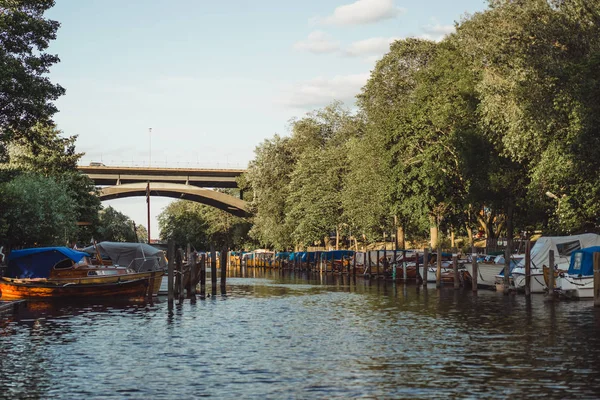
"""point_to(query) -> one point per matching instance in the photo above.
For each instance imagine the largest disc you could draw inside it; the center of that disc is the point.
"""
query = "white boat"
(563, 247)
(578, 281)
(487, 272)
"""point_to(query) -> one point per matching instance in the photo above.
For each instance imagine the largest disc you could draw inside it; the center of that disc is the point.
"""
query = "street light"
(552, 195)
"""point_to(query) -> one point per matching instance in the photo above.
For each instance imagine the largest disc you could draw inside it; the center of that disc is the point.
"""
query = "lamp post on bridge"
(150, 149)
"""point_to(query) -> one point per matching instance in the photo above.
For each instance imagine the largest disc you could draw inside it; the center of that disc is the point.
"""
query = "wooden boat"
(14, 289)
(63, 266)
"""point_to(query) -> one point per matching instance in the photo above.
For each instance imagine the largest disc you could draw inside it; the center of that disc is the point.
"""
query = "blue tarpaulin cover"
(38, 262)
(582, 261)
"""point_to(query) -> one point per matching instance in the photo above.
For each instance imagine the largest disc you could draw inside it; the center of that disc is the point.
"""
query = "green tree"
(142, 233)
(201, 225)
(36, 211)
(115, 226)
(55, 156)
(27, 93)
(268, 178)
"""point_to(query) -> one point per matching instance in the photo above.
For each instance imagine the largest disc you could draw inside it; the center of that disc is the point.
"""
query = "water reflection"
(282, 334)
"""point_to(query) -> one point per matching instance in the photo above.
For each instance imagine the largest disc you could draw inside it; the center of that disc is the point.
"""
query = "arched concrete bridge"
(222, 201)
(178, 183)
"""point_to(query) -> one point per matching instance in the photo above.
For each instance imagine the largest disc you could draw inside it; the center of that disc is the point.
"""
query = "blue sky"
(213, 79)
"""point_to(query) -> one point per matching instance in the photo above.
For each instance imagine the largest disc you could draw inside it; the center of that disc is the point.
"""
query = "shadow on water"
(287, 334)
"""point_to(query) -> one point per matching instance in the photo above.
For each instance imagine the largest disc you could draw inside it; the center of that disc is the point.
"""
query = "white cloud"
(318, 42)
(320, 91)
(362, 12)
(437, 31)
(371, 46)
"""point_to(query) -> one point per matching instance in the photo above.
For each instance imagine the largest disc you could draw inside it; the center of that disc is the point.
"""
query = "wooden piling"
(179, 262)
(528, 268)
(417, 266)
(377, 256)
(332, 262)
(551, 273)
(507, 256)
(193, 276)
(404, 272)
(425, 265)
(171, 272)
(354, 264)
(188, 258)
(213, 269)
(475, 268)
(455, 268)
(223, 272)
(596, 279)
(438, 273)
(203, 277)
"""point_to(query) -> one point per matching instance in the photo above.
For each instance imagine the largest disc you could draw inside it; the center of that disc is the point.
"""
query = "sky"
(201, 83)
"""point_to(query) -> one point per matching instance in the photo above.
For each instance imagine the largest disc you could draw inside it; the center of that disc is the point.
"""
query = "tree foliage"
(115, 226)
(200, 225)
(26, 93)
(36, 210)
(496, 125)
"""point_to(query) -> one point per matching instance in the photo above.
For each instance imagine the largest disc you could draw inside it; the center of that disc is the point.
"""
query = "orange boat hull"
(154, 278)
(133, 289)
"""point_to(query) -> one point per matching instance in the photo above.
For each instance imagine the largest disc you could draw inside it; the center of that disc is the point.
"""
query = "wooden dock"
(10, 307)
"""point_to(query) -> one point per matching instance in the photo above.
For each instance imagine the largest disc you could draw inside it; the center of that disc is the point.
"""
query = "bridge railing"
(162, 164)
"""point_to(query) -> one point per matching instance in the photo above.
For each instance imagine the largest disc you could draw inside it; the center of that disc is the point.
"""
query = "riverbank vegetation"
(494, 128)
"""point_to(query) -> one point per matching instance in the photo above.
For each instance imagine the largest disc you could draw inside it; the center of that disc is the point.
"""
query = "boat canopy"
(563, 247)
(140, 257)
(38, 262)
(582, 261)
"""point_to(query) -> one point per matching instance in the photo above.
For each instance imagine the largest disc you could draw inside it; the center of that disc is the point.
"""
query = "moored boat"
(15, 289)
(578, 281)
(61, 266)
(563, 247)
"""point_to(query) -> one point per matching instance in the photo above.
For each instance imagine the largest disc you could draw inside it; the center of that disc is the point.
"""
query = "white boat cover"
(140, 257)
(563, 247)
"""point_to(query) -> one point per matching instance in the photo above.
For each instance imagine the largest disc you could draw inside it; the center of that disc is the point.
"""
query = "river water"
(284, 336)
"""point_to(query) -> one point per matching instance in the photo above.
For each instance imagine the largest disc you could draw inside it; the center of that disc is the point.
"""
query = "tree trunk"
(337, 238)
(469, 234)
(433, 232)
(400, 237)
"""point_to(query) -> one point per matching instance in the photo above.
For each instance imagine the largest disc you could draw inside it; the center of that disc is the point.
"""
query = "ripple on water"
(286, 337)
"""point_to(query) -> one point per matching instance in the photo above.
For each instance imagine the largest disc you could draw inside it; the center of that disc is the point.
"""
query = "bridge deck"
(201, 177)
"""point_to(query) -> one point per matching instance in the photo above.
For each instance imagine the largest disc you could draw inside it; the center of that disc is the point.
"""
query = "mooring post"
(179, 262)
(404, 272)
(438, 259)
(332, 262)
(223, 272)
(474, 268)
(171, 272)
(193, 276)
(417, 266)
(425, 265)
(203, 277)
(188, 260)
(596, 279)
(213, 269)
(528, 268)
(354, 264)
(455, 267)
(377, 257)
(551, 273)
(507, 256)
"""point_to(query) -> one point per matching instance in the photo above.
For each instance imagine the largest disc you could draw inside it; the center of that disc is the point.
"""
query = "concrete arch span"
(212, 198)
